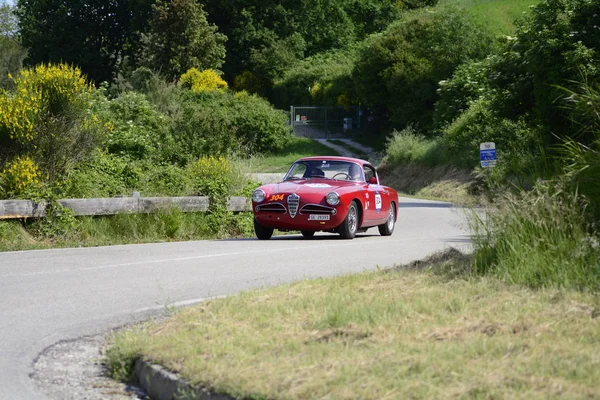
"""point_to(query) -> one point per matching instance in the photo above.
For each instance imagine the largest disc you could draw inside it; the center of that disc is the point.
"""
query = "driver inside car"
(354, 172)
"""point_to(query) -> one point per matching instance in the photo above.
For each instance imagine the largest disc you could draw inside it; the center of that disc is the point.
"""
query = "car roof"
(335, 158)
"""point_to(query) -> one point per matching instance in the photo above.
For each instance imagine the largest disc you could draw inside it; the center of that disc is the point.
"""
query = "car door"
(375, 208)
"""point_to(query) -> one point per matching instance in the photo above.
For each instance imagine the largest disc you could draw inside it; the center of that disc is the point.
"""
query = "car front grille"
(317, 209)
(293, 201)
(277, 208)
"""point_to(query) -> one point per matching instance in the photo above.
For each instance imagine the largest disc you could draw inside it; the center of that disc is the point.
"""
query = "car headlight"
(333, 199)
(258, 196)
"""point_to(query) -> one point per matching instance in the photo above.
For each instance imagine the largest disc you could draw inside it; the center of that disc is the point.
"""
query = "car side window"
(369, 173)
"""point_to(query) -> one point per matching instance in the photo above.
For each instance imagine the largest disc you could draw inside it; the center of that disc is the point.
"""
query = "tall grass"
(539, 238)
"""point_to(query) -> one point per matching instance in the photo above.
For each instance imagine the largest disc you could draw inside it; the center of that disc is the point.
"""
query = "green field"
(497, 15)
(280, 161)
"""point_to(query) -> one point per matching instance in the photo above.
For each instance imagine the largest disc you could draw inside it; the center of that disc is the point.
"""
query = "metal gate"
(324, 121)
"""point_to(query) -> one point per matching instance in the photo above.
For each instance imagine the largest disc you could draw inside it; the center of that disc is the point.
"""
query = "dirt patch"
(74, 370)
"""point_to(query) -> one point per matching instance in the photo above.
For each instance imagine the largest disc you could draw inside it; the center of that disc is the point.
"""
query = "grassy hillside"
(498, 15)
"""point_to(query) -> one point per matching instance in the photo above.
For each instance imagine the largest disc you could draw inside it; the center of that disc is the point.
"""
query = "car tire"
(262, 232)
(348, 228)
(388, 228)
(308, 234)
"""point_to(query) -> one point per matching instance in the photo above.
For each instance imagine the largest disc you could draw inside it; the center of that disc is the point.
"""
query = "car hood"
(310, 186)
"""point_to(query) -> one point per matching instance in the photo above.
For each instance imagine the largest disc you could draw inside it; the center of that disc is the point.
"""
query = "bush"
(211, 176)
(468, 83)
(214, 123)
(135, 127)
(105, 175)
(165, 180)
(407, 146)
(200, 81)
(20, 176)
(518, 145)
(48, 118)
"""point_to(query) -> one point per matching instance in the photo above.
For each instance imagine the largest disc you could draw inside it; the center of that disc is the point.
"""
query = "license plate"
(319, 217)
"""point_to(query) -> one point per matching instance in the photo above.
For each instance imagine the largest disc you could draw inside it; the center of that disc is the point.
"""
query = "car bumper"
(305, 219)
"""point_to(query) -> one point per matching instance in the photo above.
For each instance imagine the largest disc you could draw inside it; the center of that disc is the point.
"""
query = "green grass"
(163, 226)
(297, 147)
(390, 334)
(539, 238)
(497, 15)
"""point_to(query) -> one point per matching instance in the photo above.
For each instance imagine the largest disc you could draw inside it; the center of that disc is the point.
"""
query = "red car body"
(306, 200)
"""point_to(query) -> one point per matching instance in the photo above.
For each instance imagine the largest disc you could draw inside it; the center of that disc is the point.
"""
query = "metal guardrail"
(14, 209)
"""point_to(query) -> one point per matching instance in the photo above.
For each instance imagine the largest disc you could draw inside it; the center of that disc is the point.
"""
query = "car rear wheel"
(350, 225)
(388, 228)
(262, 232)
(308, 234)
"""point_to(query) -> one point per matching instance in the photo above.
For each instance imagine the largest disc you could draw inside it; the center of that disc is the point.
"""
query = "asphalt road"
(51, 295)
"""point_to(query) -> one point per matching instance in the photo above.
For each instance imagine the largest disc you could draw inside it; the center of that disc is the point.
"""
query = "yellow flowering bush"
(48, 117)
(212, 175)
(202, 81)
(38, 91)
(19, 176)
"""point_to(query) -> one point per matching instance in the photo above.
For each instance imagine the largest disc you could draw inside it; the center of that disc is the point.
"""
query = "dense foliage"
(11, 51)
(179, 38)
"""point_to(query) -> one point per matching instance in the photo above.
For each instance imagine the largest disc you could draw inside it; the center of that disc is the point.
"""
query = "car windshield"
(325, 169)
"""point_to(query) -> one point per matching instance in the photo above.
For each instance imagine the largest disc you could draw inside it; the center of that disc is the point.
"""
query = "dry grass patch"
(381, 335)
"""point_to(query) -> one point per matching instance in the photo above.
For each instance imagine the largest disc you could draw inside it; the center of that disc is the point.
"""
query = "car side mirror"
(373, 180)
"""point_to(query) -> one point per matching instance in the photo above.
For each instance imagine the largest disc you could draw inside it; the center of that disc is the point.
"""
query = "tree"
(11, 51)
(96, 35)
(553, 46)
(397, 72)
(180, 38)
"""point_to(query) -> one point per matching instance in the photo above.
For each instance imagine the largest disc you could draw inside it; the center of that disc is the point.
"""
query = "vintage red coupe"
(332, 194)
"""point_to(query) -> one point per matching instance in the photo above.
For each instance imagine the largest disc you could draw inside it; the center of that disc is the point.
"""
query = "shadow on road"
(426, 205)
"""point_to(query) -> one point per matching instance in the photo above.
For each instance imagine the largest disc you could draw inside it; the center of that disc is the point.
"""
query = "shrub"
(165, 180)
(105, 175)
(408, 146)
(224, 123)
(20, 176)
(200, 81)
(211, 176)
(48, 118)
(135, 127)
(468, 83)
(517, 144)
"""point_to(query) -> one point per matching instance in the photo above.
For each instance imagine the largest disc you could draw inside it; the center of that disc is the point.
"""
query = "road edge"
(161, 384)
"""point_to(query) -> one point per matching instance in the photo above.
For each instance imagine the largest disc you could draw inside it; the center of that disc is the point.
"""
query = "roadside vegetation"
(433, 330)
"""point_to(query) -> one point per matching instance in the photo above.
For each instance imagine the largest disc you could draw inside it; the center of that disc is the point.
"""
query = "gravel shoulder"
(74, 370)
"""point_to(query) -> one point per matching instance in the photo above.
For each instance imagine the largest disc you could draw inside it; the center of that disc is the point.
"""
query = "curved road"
(51, 295)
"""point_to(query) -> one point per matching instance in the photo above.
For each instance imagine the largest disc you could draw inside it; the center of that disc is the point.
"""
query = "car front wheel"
(262, 232)
(388, 228)
(308, 234)
(350, 225)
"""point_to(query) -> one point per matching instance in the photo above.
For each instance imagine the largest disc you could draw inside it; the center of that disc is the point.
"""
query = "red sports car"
(332, 194)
